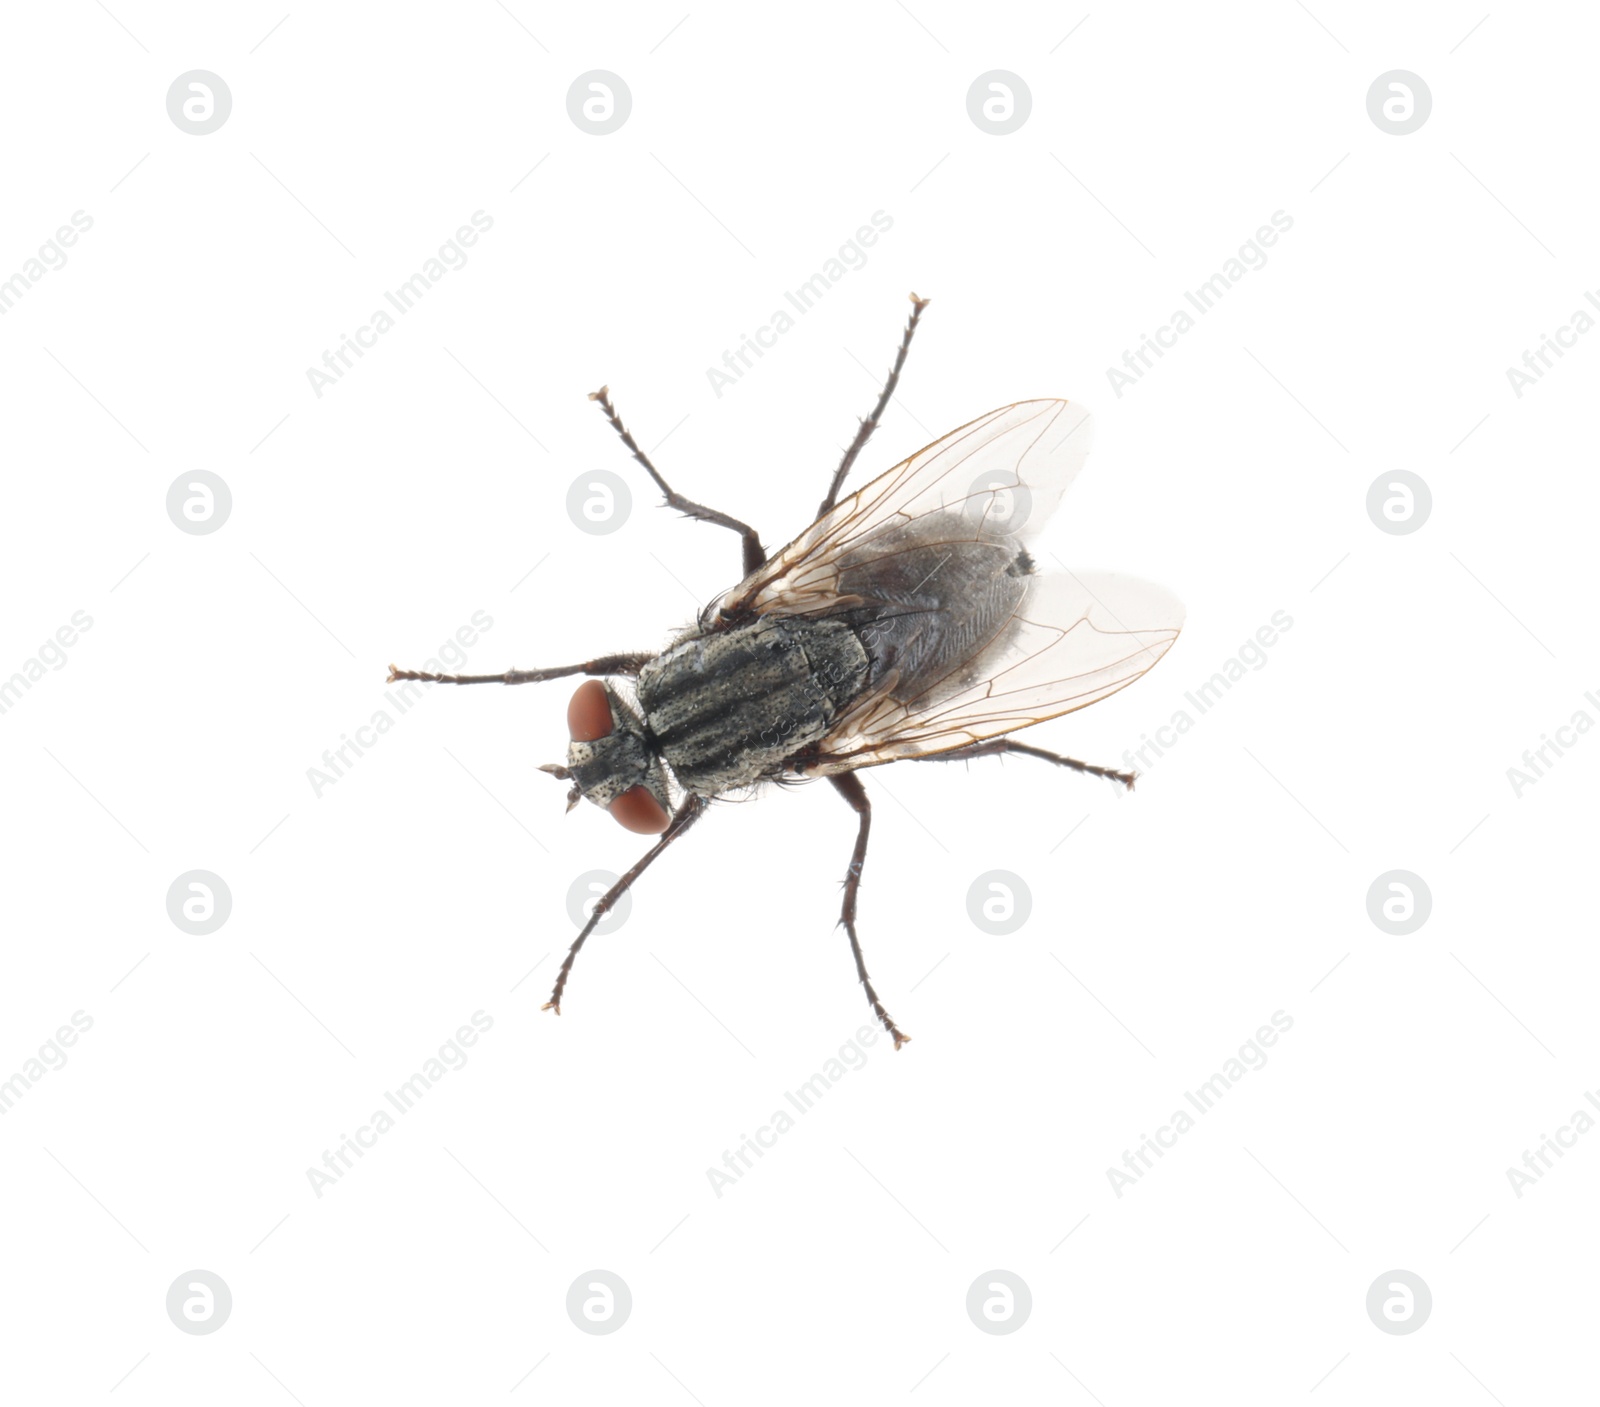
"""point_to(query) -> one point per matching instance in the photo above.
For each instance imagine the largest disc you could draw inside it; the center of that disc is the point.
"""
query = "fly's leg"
(684, 817)
(605, 664)
(867, 426)
(998, 747)
(849, 787)
(754, 553)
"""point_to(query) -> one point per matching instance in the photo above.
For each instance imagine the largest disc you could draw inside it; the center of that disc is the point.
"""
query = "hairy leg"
(684, 817)
(606, 664)
(849, 787)
(867, 426)
(998, 747)
(754, 553)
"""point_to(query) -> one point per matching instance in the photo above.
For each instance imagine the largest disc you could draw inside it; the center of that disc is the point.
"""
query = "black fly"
(907, 622)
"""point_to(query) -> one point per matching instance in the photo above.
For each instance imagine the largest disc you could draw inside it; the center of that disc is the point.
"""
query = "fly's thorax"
(727, 708)
(612, 760)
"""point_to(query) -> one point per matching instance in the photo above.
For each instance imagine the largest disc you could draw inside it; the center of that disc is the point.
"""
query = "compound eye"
(638, 811)
(589, 713)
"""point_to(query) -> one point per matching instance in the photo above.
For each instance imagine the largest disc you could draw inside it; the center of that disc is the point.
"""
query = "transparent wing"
(1073, 640)
(996, 479)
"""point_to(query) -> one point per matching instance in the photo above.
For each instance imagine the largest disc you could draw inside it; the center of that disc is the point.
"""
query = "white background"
(369, 524)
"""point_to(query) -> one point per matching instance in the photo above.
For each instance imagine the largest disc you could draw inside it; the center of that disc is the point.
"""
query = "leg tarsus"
(685, 816)
(867, 426)
(849, 786)
(997, 747)
(754, 553)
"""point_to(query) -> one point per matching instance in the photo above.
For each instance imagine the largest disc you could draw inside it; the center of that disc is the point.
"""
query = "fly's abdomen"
(727, 709)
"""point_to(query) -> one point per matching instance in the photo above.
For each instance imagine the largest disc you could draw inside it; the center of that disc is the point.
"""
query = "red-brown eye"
(589, 713)
(638, 811)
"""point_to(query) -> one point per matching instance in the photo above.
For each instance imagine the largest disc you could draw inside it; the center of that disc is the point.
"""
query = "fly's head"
(611, 761)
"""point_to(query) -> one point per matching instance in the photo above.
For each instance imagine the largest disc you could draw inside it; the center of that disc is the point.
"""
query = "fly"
(908, 623)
